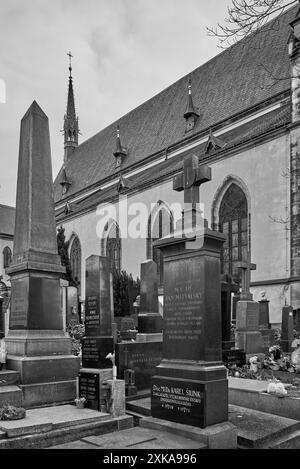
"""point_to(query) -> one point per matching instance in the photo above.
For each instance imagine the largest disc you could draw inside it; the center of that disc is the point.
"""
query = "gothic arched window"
(111, 246)
(75, 259)
(160, 224)
(233, 222)
(7, 257)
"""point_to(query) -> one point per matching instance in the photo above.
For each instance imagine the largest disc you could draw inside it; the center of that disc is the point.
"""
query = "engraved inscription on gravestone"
(183, 310)
(92, 315)
(175, 399)
(89, 388)
(19, 306)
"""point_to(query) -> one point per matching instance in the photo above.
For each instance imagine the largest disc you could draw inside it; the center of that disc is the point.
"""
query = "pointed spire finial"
(190, 85)
(120, 151)
(70, 62)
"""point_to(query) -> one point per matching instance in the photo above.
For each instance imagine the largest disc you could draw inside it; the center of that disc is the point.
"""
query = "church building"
(239, 113)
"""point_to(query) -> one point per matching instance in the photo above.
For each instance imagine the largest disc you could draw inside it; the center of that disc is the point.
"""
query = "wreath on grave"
(10, 412)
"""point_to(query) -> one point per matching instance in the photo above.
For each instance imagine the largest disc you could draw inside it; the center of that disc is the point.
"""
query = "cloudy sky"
(125, 51)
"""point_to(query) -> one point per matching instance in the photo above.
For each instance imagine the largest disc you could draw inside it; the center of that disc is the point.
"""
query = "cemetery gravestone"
(38, 347)
(98, 341)
(149, 319)
(268, 334)
(191, 377)
(248, 336)
(287, 329)
(230, 354)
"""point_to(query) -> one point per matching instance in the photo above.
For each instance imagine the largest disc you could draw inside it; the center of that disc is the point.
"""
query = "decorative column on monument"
(38, 347)
(248, 336)
(190, 384)
(98, 341)
(149, 319)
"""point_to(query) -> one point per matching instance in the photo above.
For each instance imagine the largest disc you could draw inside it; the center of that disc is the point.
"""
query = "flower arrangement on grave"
(10, 412)
(80, 402)
(76, 332)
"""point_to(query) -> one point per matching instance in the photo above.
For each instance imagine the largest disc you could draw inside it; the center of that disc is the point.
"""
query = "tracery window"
(233, 222)
(111, 246)
(161, 226)
(7, 257)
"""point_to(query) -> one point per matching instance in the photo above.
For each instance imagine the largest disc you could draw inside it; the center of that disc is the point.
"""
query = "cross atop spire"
(70, 61)
(71, 129)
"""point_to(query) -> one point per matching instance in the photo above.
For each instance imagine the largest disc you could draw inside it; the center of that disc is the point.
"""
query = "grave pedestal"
(248, 336)
(117, 393)
(191, 377)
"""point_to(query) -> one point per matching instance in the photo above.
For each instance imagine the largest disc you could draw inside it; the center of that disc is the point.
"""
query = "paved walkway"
(134, 438)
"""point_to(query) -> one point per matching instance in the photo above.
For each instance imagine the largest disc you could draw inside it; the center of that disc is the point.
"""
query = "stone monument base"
(219, 436)
(268, 338)
(155, 337)
(286, 345)
(186, 392)
(46, 367)
(249, 341)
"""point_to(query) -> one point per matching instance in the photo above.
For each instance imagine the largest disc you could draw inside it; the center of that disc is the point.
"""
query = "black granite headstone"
(90, 389)
(287, 328)
(142, 357)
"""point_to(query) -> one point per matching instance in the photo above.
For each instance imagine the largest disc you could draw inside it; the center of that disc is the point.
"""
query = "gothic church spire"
(71, 129)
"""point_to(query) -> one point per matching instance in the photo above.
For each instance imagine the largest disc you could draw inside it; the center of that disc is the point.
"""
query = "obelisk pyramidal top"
(36, 266)
(35, 243)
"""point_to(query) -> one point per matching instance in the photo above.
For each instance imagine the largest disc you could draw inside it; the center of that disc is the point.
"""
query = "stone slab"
(95, 350)
(220, 436)
(250, 341)
(247, 316)
(155, 337)
(252, 385)
(117, 389)
(49, 418)
(256, 428)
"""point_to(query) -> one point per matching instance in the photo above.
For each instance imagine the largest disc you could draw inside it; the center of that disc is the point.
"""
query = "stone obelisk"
(37, 346)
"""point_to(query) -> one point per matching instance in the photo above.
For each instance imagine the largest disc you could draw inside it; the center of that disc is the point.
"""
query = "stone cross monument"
(191, 378)
(38, 348)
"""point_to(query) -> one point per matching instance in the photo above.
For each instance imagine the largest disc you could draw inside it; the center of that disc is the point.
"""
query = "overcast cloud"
(125, 51)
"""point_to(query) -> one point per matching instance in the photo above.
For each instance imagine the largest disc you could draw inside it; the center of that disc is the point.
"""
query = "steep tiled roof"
(260, 126)
(7, 220)
(231, 83)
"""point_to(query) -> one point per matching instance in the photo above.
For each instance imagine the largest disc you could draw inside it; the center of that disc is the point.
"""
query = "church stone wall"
(262, 170)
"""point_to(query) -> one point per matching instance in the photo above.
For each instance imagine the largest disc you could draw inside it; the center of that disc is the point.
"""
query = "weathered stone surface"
(247, 316)
(149, 287)
(91, 386)
(117, 390)
(250, 341)
(264, 317)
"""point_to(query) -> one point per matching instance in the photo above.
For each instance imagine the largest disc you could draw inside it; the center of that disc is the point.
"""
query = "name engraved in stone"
(18, 315)
(89, 388)
(91, 352)
(177, 398)
(182, 320)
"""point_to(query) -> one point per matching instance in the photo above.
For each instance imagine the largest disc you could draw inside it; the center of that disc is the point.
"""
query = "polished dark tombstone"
(142, 358)
(38, 347)
(98, 341)
(149, 319)
(287, 329)
(89, 387)
(227, 288)
(190, 385)
(230, 354)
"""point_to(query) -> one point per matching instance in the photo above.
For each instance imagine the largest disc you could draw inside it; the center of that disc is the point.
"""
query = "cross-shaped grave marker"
(189, 181)
(246, 267)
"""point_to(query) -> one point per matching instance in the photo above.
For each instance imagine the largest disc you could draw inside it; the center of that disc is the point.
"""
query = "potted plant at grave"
(10, 412)
(80, 402)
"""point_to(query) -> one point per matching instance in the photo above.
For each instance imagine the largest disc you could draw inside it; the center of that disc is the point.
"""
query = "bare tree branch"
(245, 17)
